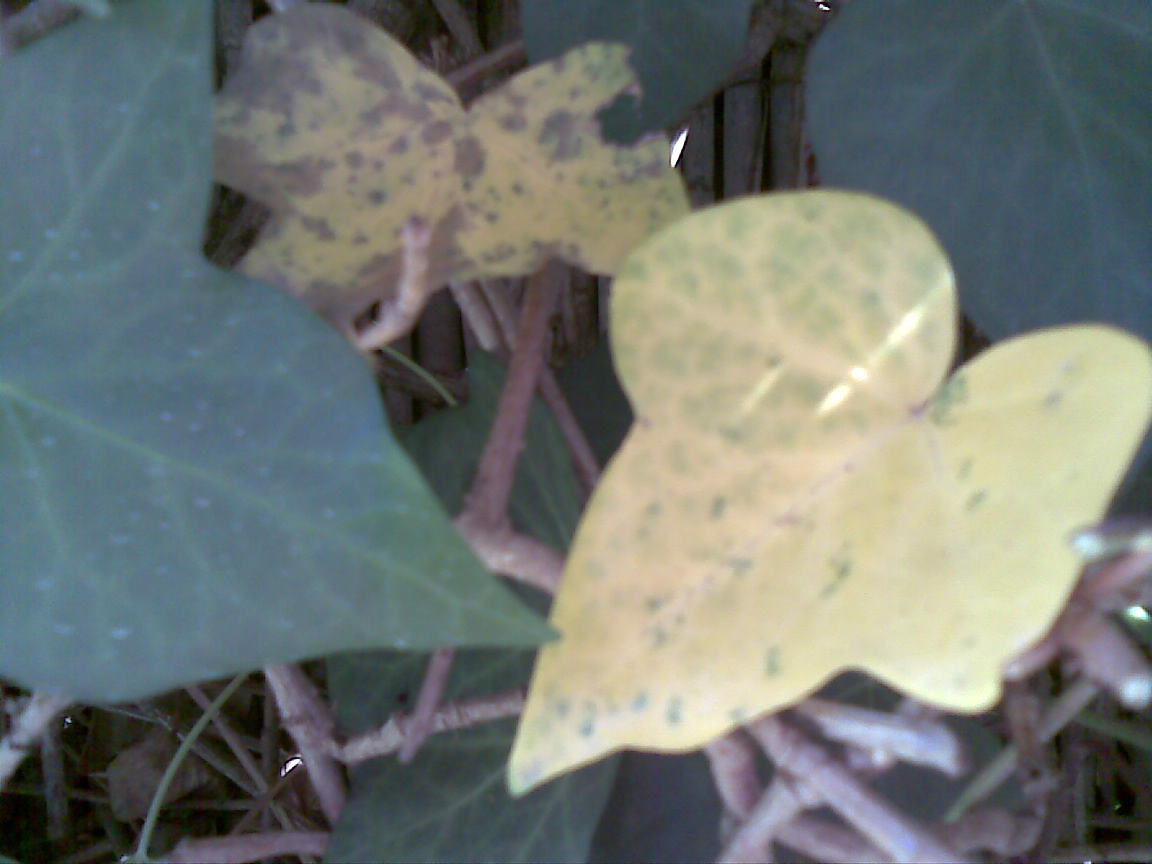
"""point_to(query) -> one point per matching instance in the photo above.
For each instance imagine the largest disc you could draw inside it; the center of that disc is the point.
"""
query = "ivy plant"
(200, 479)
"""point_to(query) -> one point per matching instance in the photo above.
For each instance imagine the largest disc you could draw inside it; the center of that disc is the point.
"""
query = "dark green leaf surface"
(681, 49)
(197, 475)
(447, 446)
(1019, 130)
(451, 803)
(598, 401)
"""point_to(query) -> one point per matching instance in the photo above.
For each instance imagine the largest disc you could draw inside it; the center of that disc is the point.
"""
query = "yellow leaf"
(549, 177)
(800, 495)
(346, 137)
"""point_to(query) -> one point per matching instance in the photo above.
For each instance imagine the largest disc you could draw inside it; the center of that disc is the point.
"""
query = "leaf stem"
(141, 853)
(487, 502)
(424, 375)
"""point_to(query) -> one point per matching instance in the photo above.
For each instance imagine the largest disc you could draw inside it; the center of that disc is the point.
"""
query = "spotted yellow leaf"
(801, 494)
(347, 137)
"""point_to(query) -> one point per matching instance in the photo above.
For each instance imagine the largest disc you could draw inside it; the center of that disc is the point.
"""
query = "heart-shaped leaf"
(336, 127)
(1019, 131)
(197, 474)
(799, 493)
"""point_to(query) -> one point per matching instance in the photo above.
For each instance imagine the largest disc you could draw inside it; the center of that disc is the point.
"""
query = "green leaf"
(598, 401)
(1018, 130)
(198, 477)
(96, 8)
(681, 49)
(451, 803)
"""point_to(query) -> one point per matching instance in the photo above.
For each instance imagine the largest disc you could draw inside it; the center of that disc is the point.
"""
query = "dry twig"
(733, 763)
(823, 840)
(242, 848)
(1059, 714)
(995, 830)
(493, 314)
(896, 834)
(431, 691)
(310, 722)
(34, 21)
(397, 317)
(519, 556)
(27, 727)
(888, 737)
(451, 716)
(784, 799)
(485, 514)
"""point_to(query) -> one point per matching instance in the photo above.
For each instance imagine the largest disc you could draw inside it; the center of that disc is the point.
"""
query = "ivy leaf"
(1018, 131)
(682, 49)
(336, 127)
(450, 804)
(801, 494)
(198, 475)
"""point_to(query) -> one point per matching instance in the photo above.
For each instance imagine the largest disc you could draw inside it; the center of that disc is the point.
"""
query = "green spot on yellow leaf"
(772, 664)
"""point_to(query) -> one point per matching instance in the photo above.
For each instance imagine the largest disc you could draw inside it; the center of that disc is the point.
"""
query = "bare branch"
(431, 692)
(732, 759)
(242, 848)
(887, 827)
(33, 21)
(498, 315)
(451, 716)
(784, 799)
(398, 316)
(240, 751)
(916, 740)
(507, 58)
(1059, 714)
(27, 727)
(995, 830)
(518, 556)
(487, 502)
(459, 25)
(479, 315)
(822, 840)
(309, 721)
(1108, 656)
(583, 459)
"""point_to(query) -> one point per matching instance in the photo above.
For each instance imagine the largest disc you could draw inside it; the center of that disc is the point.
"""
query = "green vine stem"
(140, 856)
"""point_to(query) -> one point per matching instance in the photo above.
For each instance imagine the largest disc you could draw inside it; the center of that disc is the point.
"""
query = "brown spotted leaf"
(544, 181)
(347, 137)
